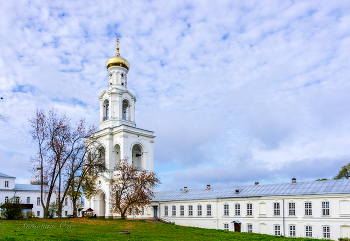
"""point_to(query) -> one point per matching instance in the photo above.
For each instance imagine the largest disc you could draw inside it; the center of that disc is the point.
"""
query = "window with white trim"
(166, 211)
(182, 210)
(6, 183)
(142, 211)
(291, 209)
(237, 209)
(6, 198)
(226, 227)
(38, 213)
(65, 213)
(199, 210)
(276, 209)
(249, 209)
(277, 229)
(190, 210)
(292, 231)
(174, 211)
(38, 201)
(325, 208)
(326, 231)
(208, 209)
(28, 200)
(17, 199)
(249, 228)
(308, 208)
(308, 231)
(66, 201)
(226, 210)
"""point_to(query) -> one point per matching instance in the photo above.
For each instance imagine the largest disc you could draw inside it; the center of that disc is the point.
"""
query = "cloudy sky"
(235, 91)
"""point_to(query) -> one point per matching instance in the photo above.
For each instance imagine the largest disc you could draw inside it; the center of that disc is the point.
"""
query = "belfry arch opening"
(126, 112)
(101, 156)
(116, 151)
(105, 110)
(137, 157)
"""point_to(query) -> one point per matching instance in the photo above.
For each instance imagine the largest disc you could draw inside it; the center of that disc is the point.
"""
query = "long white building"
(319, 209)
(28, 195)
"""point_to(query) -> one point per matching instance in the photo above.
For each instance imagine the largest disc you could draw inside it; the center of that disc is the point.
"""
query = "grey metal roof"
(5, 175)
(283, 189)
(27, 187)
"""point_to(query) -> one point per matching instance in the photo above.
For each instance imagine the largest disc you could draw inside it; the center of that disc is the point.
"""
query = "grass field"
(107, 229)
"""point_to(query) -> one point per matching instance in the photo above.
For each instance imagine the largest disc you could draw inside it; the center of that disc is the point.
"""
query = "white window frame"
(142, 211)
(291, 209)
(325, 208)
(28, 200)
(38, 213)
(66, 201)
(6, 183)
(326, 232)
(190, 210)
(277, 229)
(38, 201)
(276, 209)
(65, 213)
(182, 210)
(199, 210)
(17, 199)
(249, 209)
(292, 230)
(208, 209)
(249, 228)
(6, 199)
(166, 211)
(308, 231)
(226, 227)
(226, 210)
(308, 208)
(237, 209)
(173, 213)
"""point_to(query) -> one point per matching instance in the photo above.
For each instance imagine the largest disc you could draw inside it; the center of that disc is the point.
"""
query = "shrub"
(344, 239)
(11, 209)
(30, 214)
(88, 215)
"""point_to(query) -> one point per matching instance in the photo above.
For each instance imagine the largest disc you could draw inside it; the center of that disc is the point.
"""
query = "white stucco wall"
(338, 220)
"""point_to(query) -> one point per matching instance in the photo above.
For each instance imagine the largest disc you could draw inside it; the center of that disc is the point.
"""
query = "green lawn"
(107, 229)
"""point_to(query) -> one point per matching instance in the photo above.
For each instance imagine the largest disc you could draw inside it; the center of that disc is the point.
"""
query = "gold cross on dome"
(117, 40)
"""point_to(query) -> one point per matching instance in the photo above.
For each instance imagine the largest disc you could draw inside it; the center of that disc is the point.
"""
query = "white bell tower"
(118, 137)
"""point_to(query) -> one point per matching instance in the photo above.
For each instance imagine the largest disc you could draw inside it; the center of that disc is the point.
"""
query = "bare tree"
(61, 154)
(131, 190)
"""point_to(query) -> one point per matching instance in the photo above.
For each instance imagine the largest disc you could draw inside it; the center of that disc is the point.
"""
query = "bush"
(344, 239)
(88, 215)
(11, 209)
(30, 214)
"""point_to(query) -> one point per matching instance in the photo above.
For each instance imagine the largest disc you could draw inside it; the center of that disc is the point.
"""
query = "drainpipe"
(284, 234)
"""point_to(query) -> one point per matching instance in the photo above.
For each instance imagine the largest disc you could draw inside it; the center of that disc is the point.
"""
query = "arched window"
(126, 110)
(6, 198)
(28, 200)
(106, 110)
(117, 156)
(137, 157)
(38, 201)
(101, 157)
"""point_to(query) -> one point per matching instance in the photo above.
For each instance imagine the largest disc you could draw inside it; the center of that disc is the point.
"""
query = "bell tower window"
(106, 110)
(126, 110)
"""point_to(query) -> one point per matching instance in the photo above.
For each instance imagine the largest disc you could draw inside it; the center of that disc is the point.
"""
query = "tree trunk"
(74, 200)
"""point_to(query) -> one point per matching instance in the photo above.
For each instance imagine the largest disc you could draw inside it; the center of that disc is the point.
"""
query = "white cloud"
(249, 87)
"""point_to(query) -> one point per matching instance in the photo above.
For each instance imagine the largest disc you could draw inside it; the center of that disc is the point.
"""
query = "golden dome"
(117, 60)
